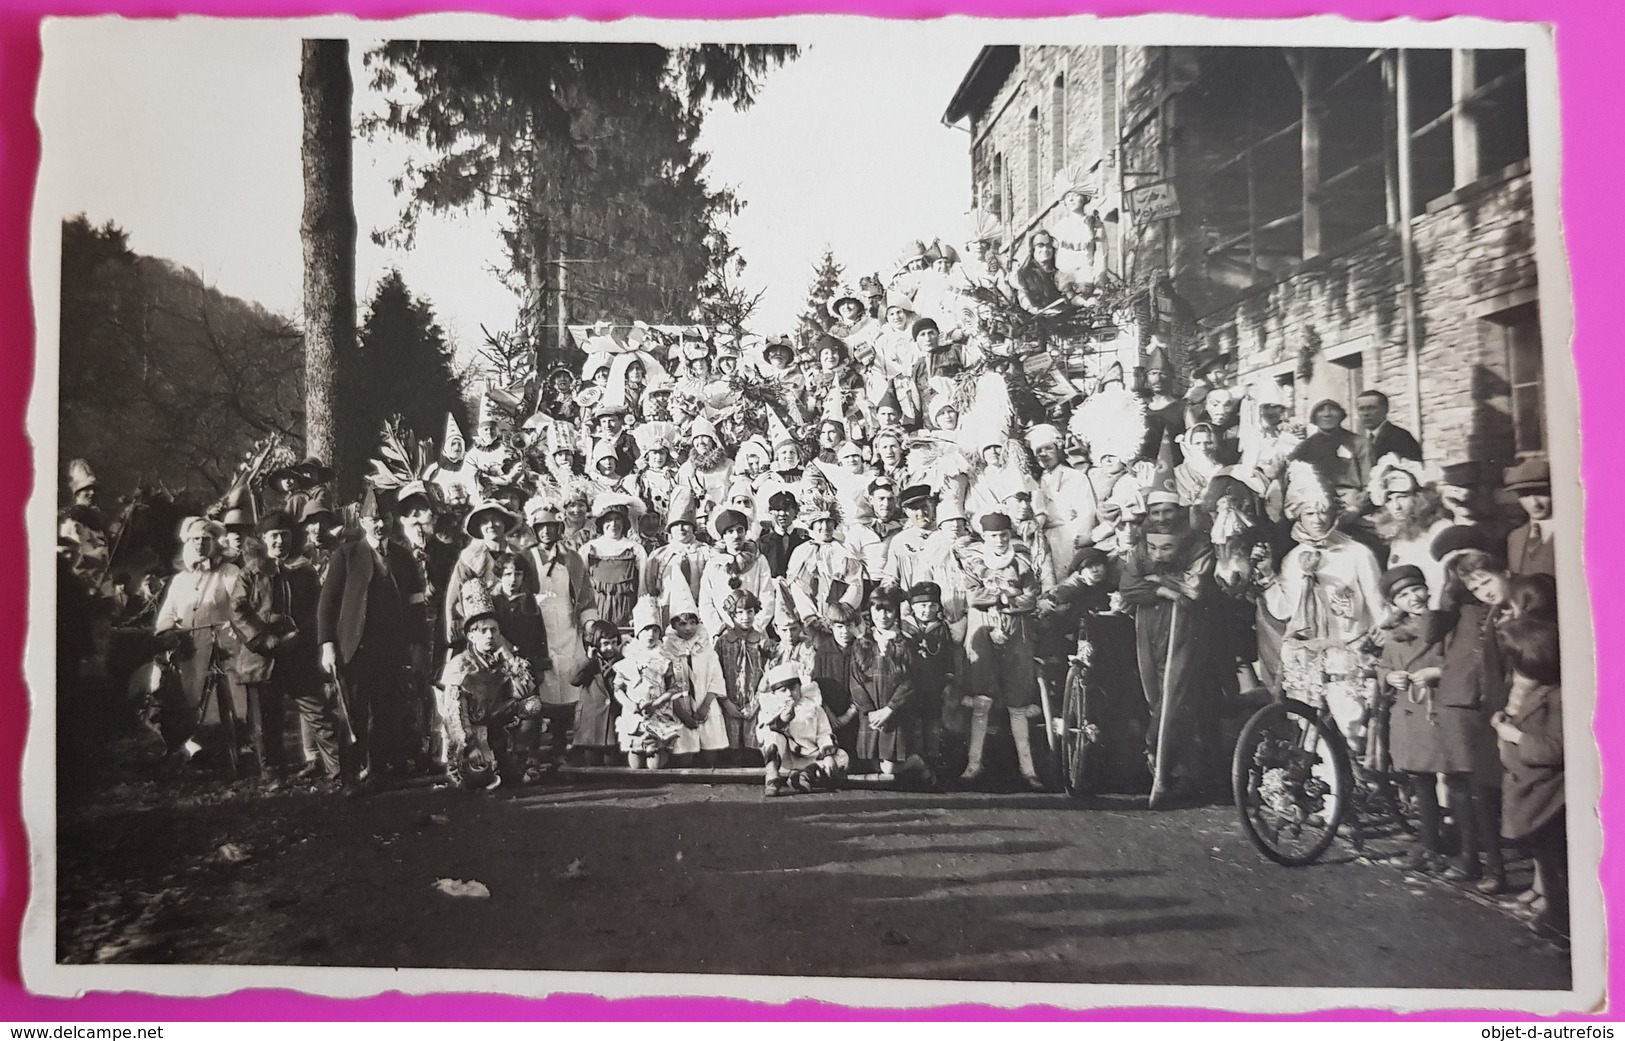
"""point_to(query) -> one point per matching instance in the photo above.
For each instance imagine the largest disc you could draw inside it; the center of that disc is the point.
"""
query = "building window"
(1057, 134)
(1348, 380)
(1500, 108)
(1034, 161)
(1433, 166)
(1518, 330)
(995, 185)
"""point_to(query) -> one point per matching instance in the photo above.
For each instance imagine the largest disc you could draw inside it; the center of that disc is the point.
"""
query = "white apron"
(563, 639)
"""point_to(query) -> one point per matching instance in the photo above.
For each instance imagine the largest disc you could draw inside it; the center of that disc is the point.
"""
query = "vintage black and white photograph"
(872, 510)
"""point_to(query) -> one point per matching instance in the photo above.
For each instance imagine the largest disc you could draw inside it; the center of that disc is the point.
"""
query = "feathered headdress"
(268, 454)
(985, 227)
(405, 466)
(987, 417)
(619, 502)
(1394, 473)
(1075, 178)
(658, 434)
(1110, 422)
(1304, 488)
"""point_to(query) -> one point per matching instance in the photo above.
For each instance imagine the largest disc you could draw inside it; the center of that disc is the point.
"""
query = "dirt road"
(712, 878)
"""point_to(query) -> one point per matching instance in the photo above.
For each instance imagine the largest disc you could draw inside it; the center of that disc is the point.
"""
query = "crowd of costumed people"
(862, 552)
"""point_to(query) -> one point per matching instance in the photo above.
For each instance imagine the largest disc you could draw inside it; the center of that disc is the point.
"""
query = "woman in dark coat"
(1530, 733)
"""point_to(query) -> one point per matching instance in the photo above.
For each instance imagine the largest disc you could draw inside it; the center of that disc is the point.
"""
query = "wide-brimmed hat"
(307, 473)
(489, 506)
(317, 509)
(277, 520)
(842, 295)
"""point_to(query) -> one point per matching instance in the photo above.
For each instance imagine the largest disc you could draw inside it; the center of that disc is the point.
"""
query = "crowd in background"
(868, 552)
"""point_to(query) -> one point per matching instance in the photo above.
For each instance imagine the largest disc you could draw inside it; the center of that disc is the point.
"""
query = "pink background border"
(1588, 34)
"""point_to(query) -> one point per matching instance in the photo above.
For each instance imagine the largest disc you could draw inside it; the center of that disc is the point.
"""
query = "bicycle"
(216, 686)
(1295, 782)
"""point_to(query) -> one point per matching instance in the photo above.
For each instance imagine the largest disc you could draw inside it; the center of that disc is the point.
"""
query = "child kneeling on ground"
(490, 695)
(798, 745)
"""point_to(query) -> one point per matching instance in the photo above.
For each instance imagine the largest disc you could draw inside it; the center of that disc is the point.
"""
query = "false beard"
(708, 459)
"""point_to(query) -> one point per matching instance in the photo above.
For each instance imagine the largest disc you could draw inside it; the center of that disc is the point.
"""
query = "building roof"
(987, 74)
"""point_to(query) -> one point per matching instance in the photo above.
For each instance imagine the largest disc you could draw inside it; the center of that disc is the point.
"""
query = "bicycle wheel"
(228, 725)
(1291, 780)
(1079, 739)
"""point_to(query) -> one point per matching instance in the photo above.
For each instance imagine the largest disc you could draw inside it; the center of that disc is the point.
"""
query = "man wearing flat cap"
(1531, 549)
(274, 606)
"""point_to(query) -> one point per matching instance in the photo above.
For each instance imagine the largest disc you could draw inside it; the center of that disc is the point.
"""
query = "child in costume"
(647, 683)
(745, 654)
(597, 710)
(520, 621)
(798, 746)
(488, 697)
(705, 732)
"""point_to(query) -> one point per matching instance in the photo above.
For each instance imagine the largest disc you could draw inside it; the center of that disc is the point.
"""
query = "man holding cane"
(361, 625)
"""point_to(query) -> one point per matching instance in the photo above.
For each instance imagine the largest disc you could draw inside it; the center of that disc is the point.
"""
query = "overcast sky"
(189, 139)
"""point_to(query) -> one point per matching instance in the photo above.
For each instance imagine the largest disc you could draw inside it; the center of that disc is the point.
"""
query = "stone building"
(1319, 221)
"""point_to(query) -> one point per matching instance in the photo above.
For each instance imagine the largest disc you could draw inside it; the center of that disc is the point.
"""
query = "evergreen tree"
(403, 367)
(815, 318)
(590, 149)
(724, 303)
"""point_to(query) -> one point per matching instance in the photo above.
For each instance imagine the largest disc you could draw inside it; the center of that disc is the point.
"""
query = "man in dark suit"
(1383, 437)
(371, 587)
(1531, 549)
(434, 558)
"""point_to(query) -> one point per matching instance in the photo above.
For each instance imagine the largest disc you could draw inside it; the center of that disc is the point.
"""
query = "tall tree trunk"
(538, 297)
(327, 230)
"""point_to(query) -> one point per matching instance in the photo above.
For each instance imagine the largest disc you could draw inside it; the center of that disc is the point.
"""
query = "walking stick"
(344, 706)
(1049, 711)
(1160, 779)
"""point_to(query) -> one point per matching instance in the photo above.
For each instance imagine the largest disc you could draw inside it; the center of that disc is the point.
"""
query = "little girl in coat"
(647, 683)
(744, 653)
(689, 645)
